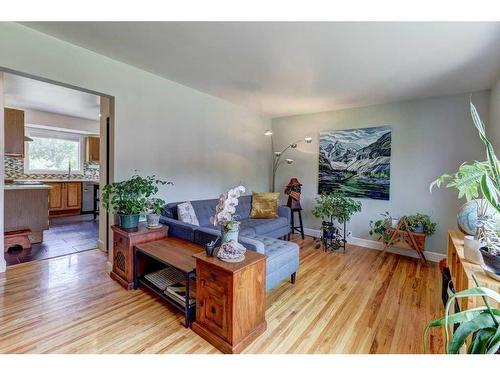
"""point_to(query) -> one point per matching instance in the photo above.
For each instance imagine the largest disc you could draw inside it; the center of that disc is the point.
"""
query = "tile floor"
(66, 235)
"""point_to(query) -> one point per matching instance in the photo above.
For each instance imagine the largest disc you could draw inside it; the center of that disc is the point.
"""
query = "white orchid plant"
(226, 208)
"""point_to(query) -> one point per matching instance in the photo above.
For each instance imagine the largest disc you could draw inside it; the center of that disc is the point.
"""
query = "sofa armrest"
(177, 228)
(204, 235)
(285, 211)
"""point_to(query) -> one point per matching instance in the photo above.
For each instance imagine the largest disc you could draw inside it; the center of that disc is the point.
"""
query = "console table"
(124, 241)
(461, 272)
(230, 301)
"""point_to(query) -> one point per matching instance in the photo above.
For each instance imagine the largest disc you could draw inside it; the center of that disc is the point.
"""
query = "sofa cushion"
(279, 253)
(186, 214)
(262, 226)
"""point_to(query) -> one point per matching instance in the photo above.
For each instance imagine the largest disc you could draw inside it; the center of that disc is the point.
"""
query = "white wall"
(429, 137)
(201, 143)
(2, 147)
(494, 124)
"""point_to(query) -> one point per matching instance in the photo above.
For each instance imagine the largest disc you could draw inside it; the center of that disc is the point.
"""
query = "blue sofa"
(261, 235)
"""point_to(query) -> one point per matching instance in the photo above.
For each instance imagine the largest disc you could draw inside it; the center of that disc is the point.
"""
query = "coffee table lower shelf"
(189, 312)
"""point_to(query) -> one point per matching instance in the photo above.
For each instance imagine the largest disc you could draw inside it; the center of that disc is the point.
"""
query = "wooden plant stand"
(406, 239)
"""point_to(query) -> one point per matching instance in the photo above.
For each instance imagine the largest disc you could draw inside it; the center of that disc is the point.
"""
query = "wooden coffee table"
(174, 252)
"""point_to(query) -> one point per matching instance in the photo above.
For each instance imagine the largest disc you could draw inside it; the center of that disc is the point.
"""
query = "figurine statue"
(293, 190)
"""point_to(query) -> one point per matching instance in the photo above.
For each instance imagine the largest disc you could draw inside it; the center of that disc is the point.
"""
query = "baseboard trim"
(376, 245)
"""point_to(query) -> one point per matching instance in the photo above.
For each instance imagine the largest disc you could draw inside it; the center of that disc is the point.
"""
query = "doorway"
(56, 158)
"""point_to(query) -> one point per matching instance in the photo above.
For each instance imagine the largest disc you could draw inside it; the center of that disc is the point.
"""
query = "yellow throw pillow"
(264, 205)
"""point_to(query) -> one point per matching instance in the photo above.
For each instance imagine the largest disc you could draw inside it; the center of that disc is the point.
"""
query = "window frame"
(32, 131)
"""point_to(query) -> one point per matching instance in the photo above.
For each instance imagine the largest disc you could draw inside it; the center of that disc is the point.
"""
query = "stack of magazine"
(171, 281)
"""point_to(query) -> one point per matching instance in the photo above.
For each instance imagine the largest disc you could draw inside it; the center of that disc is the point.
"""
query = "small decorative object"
(154, 206)
(232, 252)
(210, 247)
(335, 206)
(130, 198)
(225, 214)
(293, 190)
(278, 154)
(356, 162)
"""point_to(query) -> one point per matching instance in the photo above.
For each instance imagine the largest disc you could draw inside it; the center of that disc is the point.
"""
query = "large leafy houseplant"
(129, 198)
(421, 223)
(480, 179)
(481, 325)
(335, 206)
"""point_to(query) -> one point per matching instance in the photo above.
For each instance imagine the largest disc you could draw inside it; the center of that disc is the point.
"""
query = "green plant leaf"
(465, 329)
(494, 343)
(480, 340)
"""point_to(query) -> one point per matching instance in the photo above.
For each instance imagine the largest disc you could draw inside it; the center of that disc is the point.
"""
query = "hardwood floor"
(360, 302)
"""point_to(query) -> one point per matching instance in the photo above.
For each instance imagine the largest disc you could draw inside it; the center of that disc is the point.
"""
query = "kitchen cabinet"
(92, 149)
(65, 198)
(14, 132)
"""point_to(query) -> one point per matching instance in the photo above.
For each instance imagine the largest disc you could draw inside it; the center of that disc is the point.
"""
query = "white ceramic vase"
(471, 250)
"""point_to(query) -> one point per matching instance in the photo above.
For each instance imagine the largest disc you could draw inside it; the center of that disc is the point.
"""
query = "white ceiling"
(291, 68)
(27, 93)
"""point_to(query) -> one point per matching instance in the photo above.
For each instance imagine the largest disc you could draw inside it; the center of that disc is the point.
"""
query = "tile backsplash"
(14, 168)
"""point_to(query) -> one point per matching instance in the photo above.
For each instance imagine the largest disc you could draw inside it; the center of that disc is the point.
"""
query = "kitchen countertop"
(62, 180)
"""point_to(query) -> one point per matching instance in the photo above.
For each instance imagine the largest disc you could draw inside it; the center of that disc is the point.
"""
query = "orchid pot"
(230, 231)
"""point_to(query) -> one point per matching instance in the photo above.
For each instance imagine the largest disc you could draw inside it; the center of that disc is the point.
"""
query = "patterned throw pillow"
(264, 205)
(186, 214)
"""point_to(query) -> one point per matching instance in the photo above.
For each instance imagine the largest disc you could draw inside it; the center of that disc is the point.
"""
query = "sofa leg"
(292, 277)
(288, 237)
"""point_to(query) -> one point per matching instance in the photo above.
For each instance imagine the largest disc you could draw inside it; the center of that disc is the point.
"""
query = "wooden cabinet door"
(56, 201)
(212, 312)
(14, 132)
(73, 195)
(93, 149)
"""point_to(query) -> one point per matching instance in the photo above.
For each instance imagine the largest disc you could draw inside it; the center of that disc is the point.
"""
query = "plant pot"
(419, 229)
(228, 235)
(491, 262)
(153, 220)
(129, 221)
(394, 223)
(471, 250)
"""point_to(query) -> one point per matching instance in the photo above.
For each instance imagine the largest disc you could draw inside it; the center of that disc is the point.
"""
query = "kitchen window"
(53, 152)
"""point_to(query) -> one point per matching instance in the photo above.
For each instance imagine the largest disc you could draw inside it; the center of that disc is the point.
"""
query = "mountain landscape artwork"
(356, 162)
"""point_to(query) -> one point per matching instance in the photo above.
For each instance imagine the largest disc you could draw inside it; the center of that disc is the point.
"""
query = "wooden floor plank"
(359, 302)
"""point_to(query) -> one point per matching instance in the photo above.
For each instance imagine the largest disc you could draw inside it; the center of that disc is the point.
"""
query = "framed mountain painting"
(356, 162)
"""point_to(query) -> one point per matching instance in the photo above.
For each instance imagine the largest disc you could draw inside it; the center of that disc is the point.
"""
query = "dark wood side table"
(124, 241)
(230, 301)
(175, 252)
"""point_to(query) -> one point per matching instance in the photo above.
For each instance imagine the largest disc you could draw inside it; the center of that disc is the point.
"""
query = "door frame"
(106, 162)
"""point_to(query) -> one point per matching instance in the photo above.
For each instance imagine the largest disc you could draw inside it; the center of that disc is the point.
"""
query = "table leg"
(186, 308)
(135, 269)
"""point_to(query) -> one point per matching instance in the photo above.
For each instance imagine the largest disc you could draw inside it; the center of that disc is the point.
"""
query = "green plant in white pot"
(129, 198)
(154, 208)
(480, 180)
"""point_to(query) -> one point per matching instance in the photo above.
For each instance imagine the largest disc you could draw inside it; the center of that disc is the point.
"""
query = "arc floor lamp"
(278, 154)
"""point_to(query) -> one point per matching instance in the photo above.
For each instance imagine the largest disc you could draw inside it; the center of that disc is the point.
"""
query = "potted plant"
(334, 206)
(154, 207)
(491, 249)
(479, 327)
(225, 214)
(128, 199)
(480, 180)
(379, 227)
(421, 223)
